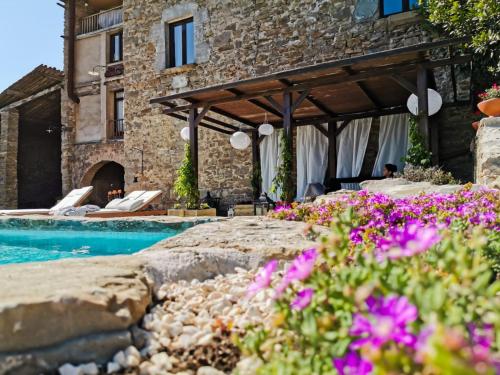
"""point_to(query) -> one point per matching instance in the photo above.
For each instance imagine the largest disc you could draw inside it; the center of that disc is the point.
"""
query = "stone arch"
(104, 176)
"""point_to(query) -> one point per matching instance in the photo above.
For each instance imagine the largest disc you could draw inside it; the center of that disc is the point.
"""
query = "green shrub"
(185, 185)
(434, 175)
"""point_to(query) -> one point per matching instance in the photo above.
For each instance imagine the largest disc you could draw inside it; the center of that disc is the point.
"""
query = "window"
(116, 47)
(119, 114)
(388, 7)
(181, 42)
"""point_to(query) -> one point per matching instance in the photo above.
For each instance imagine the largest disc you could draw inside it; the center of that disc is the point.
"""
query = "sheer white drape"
(351, 147)
(110, 18)
(269, 161)
(312, 157)
(392, 142)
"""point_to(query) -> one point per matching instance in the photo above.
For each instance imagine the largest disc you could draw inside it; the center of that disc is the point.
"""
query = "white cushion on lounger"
(74, 198)
(130, 205)
(114, 203)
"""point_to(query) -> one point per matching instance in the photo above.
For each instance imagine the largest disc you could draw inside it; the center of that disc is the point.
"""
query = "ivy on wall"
(283, 180)
(185, 185)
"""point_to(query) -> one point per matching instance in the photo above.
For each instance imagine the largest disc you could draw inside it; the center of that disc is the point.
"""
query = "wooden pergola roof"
(364, 86)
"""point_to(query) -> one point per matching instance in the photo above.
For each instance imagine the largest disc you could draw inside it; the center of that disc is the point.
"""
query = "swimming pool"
(23, 240)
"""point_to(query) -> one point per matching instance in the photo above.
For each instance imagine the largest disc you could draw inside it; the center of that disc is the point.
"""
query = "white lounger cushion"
(130, 205)
(114, 203)
(73, 199)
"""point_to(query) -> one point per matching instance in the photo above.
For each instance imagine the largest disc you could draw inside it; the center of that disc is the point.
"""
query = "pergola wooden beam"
(257, 103)
(403, 82)
(313, 68)
(202, 124)
(315, 102)
(364, 90)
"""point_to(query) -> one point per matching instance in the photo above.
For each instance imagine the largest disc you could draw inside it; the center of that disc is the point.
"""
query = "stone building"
(30, 140)
(121, 54)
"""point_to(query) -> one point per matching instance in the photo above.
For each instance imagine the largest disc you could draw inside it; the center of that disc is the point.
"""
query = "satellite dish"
(434, 100)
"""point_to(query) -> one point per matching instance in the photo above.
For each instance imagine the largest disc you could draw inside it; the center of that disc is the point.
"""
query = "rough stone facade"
(9, 129)
(233, 40)
(488, 152)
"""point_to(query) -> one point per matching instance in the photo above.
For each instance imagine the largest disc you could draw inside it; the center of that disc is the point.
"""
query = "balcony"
(116, 129)
(101, 21)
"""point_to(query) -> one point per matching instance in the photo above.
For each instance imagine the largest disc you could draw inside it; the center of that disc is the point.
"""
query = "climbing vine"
(185, 185)
(417, 153)
(283, 180)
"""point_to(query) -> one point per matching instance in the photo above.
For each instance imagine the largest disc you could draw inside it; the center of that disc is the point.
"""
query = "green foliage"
(451, 285)
(283, 180)
(185, 185)
(474, 19)
(417, 154)
(256, 181)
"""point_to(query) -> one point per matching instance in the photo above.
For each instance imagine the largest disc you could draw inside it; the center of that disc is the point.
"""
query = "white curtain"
(312, 157)
(351, 147)
(110, 18)
(392, 142)
(269, 161)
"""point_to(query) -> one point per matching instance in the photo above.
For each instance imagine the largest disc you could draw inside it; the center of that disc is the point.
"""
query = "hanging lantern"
(185, 134)
(266, 128)
(434, 102)
(240, 140)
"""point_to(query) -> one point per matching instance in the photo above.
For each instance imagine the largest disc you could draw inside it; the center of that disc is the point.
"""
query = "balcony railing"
(102, 20)
(116, 129)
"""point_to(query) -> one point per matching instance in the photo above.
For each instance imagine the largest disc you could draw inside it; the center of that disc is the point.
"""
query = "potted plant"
(186, 188)
(490, 101)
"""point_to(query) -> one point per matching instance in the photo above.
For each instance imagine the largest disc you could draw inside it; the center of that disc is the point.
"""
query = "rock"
(121, 359)
(488, 152)
(249, 365)
(69, 369)
(175, 329)
(162, 360)
(81, 297)
(401, 188)
(207, 370)
(90, 369)
(112, 367)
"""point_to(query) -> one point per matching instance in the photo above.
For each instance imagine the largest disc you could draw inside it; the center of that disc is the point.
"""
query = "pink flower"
(387, 321)
(352, 364)
(301, 268)
(263, 278)
(303, 299)
(407, 241)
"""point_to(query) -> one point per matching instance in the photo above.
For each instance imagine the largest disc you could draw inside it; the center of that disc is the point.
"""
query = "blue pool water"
(42, 244)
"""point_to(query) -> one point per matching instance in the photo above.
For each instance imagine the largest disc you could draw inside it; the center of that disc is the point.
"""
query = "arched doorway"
(104, 177)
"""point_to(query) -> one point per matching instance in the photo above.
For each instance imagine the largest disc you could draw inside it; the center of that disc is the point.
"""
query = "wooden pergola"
(334, 92)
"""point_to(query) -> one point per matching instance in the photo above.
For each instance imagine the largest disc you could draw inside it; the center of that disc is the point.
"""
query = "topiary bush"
(185, 185)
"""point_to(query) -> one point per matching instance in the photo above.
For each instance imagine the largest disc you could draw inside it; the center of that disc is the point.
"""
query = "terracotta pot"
(475, 125)
(490, 107)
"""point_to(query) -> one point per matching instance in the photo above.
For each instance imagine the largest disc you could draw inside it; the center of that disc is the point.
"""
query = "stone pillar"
(487, 168)
(9, 133)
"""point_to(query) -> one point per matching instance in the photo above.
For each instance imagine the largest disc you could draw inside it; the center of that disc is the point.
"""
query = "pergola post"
(256, 158)
(332, 150)
(193, 140)
(423, 103)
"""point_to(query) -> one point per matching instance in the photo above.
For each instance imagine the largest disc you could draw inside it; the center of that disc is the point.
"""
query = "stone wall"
(234, 40)
(9, 129)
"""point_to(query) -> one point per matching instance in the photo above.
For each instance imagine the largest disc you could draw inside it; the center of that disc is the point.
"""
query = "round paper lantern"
(240, 140)
(185, 133)
(266, 129)
(434, 101)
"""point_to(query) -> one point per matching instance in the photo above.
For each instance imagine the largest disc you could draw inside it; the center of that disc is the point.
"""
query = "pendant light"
(266, 128)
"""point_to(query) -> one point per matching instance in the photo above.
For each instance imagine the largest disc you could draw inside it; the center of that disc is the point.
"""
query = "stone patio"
(81, 310)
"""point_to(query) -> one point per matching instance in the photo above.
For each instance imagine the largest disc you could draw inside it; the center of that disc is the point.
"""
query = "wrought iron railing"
(100, 21)
(116, 129)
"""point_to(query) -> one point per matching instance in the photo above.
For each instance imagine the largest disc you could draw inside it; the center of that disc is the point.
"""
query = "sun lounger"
(74, 199)
(134, 204)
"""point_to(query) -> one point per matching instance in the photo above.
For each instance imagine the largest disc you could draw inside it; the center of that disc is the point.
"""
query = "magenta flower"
(300, 269)
(303, 299)
(352, 364)
(387, 321)
(407, 241)
(263, 278)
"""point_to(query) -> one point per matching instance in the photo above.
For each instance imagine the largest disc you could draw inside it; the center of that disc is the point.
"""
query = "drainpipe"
(71, 52)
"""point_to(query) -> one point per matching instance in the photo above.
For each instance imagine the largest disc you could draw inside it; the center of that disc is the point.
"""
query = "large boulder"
(488, 152)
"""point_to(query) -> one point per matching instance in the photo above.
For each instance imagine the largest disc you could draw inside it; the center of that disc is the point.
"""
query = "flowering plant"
(410, 292)
(491, 93)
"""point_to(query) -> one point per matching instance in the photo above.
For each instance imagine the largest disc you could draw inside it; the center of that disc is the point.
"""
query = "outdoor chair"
(75, 198)
(134, 204)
